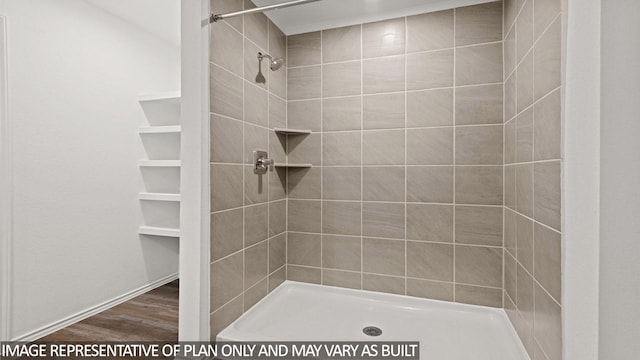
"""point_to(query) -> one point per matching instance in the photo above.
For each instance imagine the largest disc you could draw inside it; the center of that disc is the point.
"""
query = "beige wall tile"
(304, 83)
(547, 60)
(383, 256)
(226, 233)
(479, 64)
(547, 324)
(510, 139)
(304, 274)
(510, 55)
(255, 187)
(524, 136)
(343, 113)
(524, 241)
(524, 189)
(277, 112)
(255, 26)
(341, 79)
(383, 38)
(277, 278)
(255, 138)
(383, 184)
(510, 228)
(430, 31)
(225, 315)
(547, 193)
(304, 114)
(226, 93)
(304, 183)
(430, 146)
(479, 24)
(524, 26)
(430, 261)
(304, 49)
(384, 147)
(252, 65)
(430, 70)
(256, 264)
(478, 295)
(524, 83)
(341, 183)
(386, 111)
(477, 265)
(226, 279)
(278, 82)
(544, 12)
(341, 217)
(430, 289)
(277, 184)
(277, 252)
(226, 140)
(342, 252)
(383, 220)
(304, 216)
(277, 42)
(256, 293)
(226, 6)
(386, 284)
(431, 184)
(430, 222)
(510, 275)
(341, 44)
(344, 279)
(226, 186)
(383, 75)
(548, 127)
(226, 47)
(305, 149)
(479, 105)
(479, 145)
(510, 186)
(510, 88)
(547, 260)
(304, 249)
(258, 217)
(479, 225)
(430, 108)
(341, 148)
(511, 9)
(479, 185)
(525, 309)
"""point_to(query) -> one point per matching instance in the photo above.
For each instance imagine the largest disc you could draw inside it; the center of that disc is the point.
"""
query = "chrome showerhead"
(276, 64)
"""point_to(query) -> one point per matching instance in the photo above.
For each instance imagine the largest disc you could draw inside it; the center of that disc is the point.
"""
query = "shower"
(275, 65)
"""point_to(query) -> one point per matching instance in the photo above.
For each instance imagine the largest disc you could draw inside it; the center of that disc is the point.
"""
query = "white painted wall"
(581, 182)
(74, 75)
(620, 181)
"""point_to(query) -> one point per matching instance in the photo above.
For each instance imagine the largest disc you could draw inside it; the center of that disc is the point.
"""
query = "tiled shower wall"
(248, 219)
(532, 222)
(405, 194)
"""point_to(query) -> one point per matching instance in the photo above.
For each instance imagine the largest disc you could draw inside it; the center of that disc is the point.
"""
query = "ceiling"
(327, 14)
(158, 17)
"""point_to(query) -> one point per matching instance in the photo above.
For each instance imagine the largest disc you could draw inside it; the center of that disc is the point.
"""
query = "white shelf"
(159, 197)
(284, 131)
(160, 129)
(169, 96)
(159, 163)
(299, 166)
(158, 231)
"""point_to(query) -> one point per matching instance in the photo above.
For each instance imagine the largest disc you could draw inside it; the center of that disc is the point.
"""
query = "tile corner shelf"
(296, 166)
(159, 231)
(288, 132)
(168, 96)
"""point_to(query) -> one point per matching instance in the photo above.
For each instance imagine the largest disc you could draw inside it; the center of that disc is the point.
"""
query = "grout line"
(453, 231)
(406, 131)
(321, 162)
(361, 156)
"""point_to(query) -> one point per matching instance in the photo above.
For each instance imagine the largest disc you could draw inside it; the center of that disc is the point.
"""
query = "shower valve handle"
(261, 161)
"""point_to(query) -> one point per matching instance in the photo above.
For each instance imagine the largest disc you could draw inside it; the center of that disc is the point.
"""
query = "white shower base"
(446, 331)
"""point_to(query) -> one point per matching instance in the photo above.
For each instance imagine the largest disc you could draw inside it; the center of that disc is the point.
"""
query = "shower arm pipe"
(218, 17)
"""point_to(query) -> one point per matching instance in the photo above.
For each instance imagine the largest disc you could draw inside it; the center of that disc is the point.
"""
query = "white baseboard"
(53, 327)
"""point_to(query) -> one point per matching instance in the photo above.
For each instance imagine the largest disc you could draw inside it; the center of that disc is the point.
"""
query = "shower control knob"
(261, 161)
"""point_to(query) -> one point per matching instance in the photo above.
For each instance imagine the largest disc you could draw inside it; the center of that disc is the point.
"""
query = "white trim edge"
(53, 327)
(5, 187)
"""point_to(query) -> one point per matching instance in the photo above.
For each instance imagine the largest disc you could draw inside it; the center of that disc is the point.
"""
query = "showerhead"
(275, 64)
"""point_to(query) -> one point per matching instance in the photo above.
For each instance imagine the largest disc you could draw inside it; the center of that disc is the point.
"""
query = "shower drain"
(372, 331)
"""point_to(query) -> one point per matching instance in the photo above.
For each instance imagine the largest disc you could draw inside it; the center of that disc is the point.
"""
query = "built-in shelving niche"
(160, 200)
(286, 132)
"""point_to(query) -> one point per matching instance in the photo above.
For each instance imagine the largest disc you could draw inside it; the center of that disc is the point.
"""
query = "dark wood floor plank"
(149, 317)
